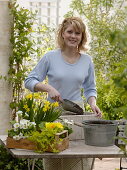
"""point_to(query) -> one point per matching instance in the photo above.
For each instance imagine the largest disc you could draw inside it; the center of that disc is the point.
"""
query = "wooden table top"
(76, 148)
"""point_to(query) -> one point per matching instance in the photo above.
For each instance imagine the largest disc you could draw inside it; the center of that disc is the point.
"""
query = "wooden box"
(27, 144)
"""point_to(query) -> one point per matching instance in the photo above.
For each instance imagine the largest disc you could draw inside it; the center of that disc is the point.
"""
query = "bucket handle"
(78, 124)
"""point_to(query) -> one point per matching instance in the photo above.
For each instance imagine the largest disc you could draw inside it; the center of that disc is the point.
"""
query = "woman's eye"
(70, 32)
(77, 33)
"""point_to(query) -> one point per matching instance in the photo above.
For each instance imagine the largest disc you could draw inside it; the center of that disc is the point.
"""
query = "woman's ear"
(63, 35)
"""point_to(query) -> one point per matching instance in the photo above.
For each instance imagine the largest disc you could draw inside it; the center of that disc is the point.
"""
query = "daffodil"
(25, 106)
(55, 104)
(37, 96)
(27, 109)
(29, 96)
(46, 103)
(44, 109)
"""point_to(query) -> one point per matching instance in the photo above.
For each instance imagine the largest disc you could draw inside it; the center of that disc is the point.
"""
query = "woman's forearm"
(42, 87)
(92, 101)
(52, 92)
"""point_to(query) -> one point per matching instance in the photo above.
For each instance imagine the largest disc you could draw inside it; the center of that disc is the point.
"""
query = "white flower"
(16, 137)
(26, 114)
(15, 130)
(65, 121)
(24, 121)
(32, 124)
(24, 124)
(71, 122)
(19, 113)
(16, 125)
(21, 134)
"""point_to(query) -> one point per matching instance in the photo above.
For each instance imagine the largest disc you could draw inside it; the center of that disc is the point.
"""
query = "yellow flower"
(44, 109)
(49, 125)
(55, 104)
(59, 125)
(53, 125)
(29, 96)
(25, 106)
(46, 103)
(28, 109)
(37, 96)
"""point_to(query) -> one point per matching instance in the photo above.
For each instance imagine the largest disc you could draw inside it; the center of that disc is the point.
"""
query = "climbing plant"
(22, 48)
(29, 42)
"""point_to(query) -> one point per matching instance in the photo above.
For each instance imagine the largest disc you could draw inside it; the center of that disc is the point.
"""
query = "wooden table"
(76, 149)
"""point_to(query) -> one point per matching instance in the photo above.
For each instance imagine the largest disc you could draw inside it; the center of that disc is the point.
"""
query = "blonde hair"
(78, 24)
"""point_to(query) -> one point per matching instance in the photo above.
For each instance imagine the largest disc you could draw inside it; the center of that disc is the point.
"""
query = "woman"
(68, 69)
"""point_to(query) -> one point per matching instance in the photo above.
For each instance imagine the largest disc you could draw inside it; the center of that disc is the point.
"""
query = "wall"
(5, 49)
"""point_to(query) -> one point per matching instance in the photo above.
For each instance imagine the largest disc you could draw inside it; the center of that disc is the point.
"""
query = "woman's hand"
(96, 110)
(52, 92)
(94, 107)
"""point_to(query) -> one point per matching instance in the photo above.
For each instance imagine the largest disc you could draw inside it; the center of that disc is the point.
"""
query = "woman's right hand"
(54, 94)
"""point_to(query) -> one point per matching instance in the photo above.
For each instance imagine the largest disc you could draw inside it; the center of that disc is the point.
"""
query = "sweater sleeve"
(38, 74)
(89, 84)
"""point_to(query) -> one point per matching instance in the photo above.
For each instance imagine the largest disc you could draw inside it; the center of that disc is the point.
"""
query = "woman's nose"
(73, 34)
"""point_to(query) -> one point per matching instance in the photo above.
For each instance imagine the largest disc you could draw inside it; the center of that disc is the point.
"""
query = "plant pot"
(99, 132)
(27, 144)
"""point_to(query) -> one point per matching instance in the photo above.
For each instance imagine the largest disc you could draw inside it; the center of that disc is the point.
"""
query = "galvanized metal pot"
(100, 132)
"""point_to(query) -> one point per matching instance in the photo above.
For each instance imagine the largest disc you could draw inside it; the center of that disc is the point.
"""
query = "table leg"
(121, 168)
(62, 164)
(31, 164)
(28, 164)
(92, 163)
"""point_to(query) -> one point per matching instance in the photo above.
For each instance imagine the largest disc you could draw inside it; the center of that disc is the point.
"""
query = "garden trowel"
(72, 107)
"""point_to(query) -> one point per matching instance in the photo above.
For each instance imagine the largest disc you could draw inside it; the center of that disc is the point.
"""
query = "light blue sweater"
(67, 78)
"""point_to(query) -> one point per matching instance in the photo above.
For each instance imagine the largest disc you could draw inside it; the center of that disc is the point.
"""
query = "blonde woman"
(67, 67)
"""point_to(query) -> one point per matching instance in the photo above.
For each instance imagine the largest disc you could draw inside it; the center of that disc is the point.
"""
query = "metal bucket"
(99, 132)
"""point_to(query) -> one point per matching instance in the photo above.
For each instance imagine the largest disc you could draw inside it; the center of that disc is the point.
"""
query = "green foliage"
(45, 40)
(67, 125)
(36, 109)
(22, 47)
(46, 138)
(29, 42)
(21, 128)
(7, 162)
(32, 113)
(109, 99)
(106, 20)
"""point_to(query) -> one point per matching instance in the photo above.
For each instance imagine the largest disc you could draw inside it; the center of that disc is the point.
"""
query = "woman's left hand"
(94, 107)
(96, 110)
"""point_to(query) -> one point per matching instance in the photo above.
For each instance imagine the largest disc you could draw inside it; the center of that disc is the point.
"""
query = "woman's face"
(72, 37)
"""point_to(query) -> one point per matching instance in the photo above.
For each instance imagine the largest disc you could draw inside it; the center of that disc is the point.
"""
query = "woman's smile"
(72, 37)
